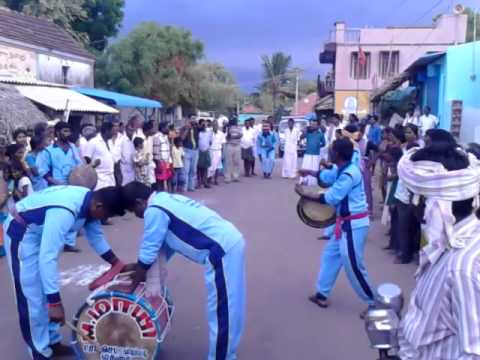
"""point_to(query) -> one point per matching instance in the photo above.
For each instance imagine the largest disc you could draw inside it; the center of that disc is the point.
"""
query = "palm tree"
(275, 74)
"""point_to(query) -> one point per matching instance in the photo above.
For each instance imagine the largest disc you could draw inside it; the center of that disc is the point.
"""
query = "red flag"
(362, 58)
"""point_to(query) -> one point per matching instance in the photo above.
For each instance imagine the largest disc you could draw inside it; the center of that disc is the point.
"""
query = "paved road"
(282, 262)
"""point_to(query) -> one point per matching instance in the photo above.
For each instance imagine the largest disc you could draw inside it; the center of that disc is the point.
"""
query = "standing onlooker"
(311, 159)
(411, 118)
(374, 135)
(127, 167)
(60, 158)
(88, 132)
(427, 120)
(216, 151)
(98, 152)
(149, 132)
(266, 143)
(115, 147)
(247, 144)
(37, 144)
(204, 160)
(178, 180)
(22, 185)
(162, 157)
(232, 151)
(290, 154)
(55, 164)
(20, 136)
(189, 135)
(141, 160)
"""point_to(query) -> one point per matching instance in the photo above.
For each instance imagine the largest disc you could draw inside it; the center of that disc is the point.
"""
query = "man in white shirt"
(98, 149)
(115, 146)
(290, 154)
(127, 166)
(247, 143)
(427, 120)
(88, 132)
(216, 151)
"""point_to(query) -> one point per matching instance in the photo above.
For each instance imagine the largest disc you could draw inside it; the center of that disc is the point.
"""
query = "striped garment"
(443, 317)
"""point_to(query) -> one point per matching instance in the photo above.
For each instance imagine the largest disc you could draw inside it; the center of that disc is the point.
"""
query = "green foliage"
(152, 61)
(103, 20)
(217, 89)
(275, 75)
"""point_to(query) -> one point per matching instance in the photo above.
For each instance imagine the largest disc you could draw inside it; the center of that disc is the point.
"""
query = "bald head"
(83, 175)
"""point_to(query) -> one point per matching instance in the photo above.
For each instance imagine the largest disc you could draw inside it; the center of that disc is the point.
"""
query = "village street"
(282, 263)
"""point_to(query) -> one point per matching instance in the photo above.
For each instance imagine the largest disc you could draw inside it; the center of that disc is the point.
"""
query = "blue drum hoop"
(132, 297)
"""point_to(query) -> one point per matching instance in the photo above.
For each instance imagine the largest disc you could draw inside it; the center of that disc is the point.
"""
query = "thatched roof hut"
(16, 111)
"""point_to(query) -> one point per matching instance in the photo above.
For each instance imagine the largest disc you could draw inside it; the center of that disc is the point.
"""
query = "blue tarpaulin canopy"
(120, 100)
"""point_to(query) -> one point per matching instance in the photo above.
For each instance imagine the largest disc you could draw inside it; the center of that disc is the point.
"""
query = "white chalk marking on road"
(82, 275)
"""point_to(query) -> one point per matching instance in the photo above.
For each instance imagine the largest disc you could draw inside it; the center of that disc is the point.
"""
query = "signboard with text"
(16, 62)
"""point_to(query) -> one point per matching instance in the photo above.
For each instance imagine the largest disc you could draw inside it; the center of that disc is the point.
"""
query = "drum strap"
(340, 220)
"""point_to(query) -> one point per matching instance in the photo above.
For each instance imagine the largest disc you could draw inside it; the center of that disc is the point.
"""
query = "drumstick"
(83, 336)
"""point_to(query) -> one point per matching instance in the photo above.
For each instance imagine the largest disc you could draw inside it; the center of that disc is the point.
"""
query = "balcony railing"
(349, 36)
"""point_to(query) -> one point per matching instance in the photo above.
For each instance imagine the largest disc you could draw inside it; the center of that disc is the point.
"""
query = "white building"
(363, 59)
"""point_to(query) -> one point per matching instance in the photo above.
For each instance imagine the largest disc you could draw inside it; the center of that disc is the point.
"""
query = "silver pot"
(390, 296)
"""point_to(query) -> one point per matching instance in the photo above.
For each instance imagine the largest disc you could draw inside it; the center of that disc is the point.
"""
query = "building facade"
(363, 59)
(37, 49)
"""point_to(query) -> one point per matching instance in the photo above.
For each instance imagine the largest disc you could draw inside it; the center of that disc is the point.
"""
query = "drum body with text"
(117, 326)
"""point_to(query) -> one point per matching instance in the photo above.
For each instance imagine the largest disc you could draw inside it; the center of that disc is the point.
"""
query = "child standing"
(178, 180)
(141, 160)
(37, 144)
(22, 185)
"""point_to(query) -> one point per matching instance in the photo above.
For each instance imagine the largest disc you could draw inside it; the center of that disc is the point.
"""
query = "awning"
(325, 103)
(57, 98)
(120, 100)
(398, 80)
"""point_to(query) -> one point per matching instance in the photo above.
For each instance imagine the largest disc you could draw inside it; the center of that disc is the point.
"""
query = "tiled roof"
(38, 32)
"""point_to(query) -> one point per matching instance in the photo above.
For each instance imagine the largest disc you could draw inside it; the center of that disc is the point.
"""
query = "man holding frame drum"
(346, 245)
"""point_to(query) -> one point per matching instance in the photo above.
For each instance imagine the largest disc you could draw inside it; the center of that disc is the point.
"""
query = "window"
(388, 64)
(360, 69)
(65, 70)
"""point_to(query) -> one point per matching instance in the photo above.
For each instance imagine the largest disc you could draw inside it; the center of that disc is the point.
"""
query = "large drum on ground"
(315, 214)
(117, 326)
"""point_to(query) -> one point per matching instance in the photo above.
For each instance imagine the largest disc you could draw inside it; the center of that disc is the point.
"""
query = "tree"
(152, 61)
(217, 88)
(91, 22)
(103, 20)
(275, 74)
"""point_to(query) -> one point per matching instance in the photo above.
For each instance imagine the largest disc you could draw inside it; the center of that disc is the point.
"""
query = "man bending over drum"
(35, 234)
(346, 245)
(174, 223)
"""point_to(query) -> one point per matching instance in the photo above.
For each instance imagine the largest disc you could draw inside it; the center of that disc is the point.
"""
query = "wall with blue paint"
(462, 82)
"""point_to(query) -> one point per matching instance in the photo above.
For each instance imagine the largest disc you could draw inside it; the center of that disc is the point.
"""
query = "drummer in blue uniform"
(56, 162)
(35, 232)
(346, 245)
(176, 224)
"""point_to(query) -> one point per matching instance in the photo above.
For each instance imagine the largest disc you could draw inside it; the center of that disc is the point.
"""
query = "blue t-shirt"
(38, 182)
(315, 141)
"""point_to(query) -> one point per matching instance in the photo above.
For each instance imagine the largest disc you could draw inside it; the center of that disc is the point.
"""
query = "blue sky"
(237, 32)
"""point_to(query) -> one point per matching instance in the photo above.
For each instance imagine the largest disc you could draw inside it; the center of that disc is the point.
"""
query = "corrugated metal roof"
(27, 81)
(56, 98)
(118, 99)
(402, 77)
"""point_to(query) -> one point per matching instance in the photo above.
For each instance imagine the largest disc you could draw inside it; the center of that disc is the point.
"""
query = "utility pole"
(296, 91)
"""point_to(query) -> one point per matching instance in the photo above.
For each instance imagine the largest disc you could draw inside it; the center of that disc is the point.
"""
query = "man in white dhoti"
(216, 151)
(127, 167)
(290, 155)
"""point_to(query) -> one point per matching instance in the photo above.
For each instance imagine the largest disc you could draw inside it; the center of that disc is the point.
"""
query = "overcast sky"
(237, 32)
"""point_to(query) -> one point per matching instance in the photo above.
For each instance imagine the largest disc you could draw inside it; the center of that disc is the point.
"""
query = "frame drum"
(314, 214)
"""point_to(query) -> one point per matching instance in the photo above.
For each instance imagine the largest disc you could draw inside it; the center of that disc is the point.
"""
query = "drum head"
(314, 214)
(116, 326)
